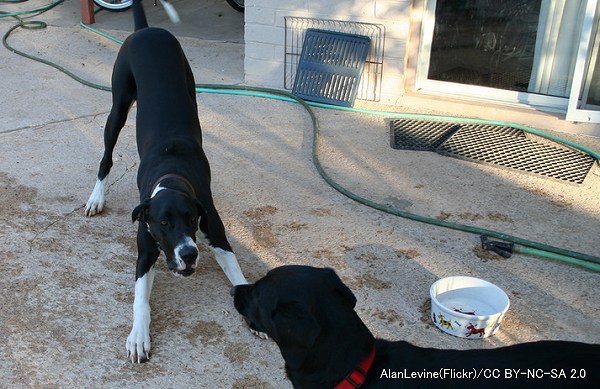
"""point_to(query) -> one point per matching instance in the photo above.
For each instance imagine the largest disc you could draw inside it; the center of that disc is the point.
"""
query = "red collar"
(356, 378)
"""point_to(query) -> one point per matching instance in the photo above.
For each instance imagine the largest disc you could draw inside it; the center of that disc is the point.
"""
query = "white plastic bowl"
(467, 307)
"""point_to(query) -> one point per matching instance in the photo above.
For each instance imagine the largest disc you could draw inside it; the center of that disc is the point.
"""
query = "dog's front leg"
(214, 233)
(138, 341)
(228, 262)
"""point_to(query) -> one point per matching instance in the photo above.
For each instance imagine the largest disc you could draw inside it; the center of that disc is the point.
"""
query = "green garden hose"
(39, 10)
(542, 250)
(517, 244)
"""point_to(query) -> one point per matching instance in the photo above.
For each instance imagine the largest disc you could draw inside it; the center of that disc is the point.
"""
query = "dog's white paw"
(259, 334)
(138, 344)
(95, 203)
(138, 341)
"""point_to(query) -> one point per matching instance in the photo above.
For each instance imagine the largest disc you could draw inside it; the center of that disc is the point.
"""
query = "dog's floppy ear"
(296, 332)
(341, 288)
(140, 213)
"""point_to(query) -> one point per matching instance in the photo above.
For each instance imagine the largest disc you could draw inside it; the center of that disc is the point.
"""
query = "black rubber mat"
(502, 146)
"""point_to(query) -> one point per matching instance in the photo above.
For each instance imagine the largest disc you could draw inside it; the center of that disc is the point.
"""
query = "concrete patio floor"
(66, 281)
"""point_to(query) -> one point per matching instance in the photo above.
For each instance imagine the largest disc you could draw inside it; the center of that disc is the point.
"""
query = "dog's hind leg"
(138, 341)
(123, 97)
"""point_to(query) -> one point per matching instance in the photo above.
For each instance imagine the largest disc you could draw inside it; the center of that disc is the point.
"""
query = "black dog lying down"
(310, 314)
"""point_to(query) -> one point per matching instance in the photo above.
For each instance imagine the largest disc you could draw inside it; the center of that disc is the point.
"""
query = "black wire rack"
(330, 67)
(369, 88)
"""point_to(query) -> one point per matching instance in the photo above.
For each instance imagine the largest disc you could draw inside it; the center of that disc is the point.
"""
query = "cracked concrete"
(67, 281)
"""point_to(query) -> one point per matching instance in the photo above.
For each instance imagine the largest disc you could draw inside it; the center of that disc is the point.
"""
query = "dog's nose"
(189, 255)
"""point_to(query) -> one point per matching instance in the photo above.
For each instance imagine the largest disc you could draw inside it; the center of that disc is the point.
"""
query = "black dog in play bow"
(310, 314)
(174, 174)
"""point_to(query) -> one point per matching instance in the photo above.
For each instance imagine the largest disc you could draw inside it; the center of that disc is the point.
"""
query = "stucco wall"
(265, 36)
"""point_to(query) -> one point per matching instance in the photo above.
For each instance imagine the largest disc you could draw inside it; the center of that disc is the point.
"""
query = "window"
(515, 51)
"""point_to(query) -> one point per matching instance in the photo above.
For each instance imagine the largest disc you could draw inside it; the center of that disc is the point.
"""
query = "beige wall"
(265, 36)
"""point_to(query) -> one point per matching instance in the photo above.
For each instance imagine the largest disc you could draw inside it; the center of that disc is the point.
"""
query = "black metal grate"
(417, 135)
(502, 146)
(330, 67)
(370, 83)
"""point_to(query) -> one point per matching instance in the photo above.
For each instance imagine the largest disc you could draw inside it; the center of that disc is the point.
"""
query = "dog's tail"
(139, 16)
(170, 10)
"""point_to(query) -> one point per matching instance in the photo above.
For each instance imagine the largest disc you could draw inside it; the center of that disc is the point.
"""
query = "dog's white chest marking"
(156, 190)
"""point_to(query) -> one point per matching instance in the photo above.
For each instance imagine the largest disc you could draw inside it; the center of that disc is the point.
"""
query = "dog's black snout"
(241, 289)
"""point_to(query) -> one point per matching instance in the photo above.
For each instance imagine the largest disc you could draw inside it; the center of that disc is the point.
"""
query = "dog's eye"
(164, 223)
(193, 221)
